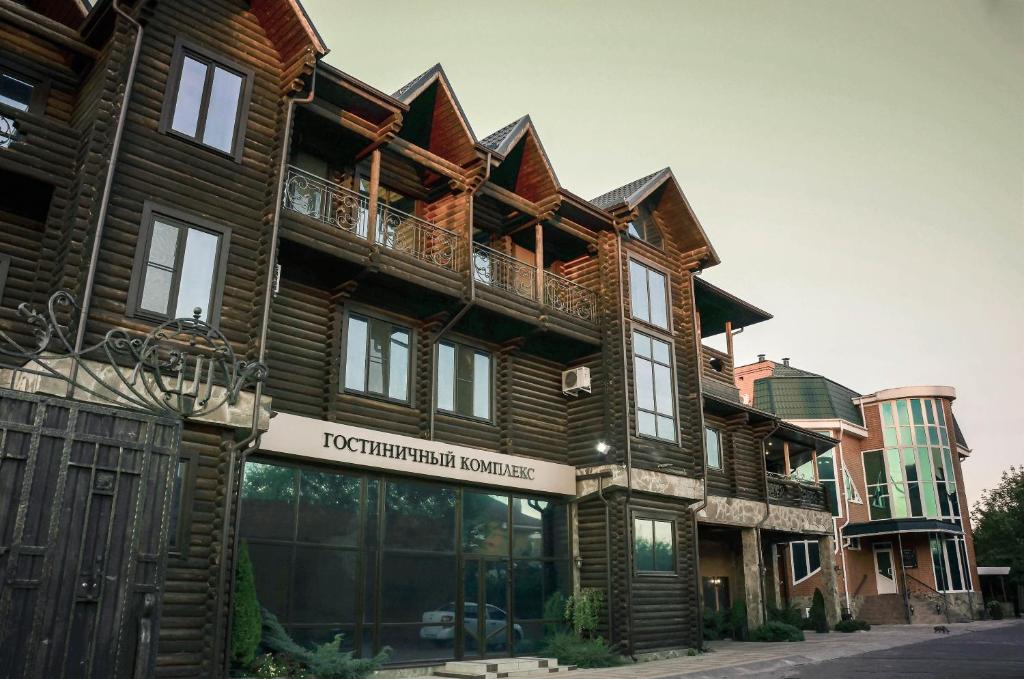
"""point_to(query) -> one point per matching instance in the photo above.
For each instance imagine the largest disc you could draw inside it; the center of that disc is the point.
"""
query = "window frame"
(650, 266)
(675, 387)
(150, 212)
(718, 435)
(654, 517)
(396, 322)
(183, 48)
(646, 215)
(184, 500)
(40, 87)
(492, 379)
(807, 560)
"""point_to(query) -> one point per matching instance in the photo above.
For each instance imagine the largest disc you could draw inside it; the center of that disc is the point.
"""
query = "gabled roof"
(625, 193)
(519, 142)
(795, 394)
(716, 307)
(447, 118)
(691, 236)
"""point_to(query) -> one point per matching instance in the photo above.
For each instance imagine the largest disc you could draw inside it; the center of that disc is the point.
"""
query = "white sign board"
(333, 442)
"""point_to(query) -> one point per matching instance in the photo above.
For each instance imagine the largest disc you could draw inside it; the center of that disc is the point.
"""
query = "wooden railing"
(796, 493)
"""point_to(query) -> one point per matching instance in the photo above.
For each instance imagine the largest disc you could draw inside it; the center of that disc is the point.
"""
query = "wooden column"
(538, 258)
(728, 338)
(371, 218)
(785, 457)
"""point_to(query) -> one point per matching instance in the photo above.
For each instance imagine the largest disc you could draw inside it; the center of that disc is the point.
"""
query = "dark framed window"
(648, 295)
(207, 99)
(713, 443)
(805, 559)
(5, 269)
(180, 517)
(654, 545)
(644, 228)
(654, 387)
(464, 380)
(16, 91)
(716, 593)
(180, 265)
(378, 354)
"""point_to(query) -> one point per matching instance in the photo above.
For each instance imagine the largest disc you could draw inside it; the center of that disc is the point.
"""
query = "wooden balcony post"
(538, 259)
(371, 219)
(785, 457)
(728, 338)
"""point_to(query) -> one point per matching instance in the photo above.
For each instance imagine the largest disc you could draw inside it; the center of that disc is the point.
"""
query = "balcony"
(790, 492)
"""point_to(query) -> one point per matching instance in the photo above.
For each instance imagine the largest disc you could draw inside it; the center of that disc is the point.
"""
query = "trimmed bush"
(789, 615)
(776, 631)
(717, 625)
(852, 625)
(819, 621)
(327, 661)
(738, 621)
(246, 625)
(571, 650)
(583, 611)
(995, 610)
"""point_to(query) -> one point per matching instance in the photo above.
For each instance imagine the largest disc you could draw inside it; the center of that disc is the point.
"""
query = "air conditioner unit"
(576, 380)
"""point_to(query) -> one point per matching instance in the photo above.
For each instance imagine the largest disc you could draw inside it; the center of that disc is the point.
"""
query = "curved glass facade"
(913, 476)
(401, 563)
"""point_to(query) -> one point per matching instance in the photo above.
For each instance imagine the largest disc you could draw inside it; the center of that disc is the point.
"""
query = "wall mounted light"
(602, 447)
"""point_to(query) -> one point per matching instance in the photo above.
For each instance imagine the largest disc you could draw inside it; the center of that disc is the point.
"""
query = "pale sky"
(859, 166)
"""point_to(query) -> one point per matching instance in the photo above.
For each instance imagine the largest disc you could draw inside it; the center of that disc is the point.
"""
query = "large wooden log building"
(484, 391)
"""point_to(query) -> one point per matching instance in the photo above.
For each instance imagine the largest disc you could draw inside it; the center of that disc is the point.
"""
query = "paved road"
(989, 654)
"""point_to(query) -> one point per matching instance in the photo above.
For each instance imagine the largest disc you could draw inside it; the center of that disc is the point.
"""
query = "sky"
(858, 166)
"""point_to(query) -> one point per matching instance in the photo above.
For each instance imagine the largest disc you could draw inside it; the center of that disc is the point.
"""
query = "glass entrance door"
(485, 608)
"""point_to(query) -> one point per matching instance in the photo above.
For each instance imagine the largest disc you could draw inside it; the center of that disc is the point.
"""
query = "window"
(180, 516)
(16, 91)
(713, 444)
(463, 380)
(179, 267)
(654, 546)
(652, 368)
(852, 494)
(648, 296)
(643, 227)
(805, 559)
(826, 464)
(913, 476)
(950, 565)
(377, 355)
(5, 268)
(207, 100)
(716, 593)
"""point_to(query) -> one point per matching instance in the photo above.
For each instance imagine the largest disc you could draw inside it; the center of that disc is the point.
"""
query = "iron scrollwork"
(183, 367)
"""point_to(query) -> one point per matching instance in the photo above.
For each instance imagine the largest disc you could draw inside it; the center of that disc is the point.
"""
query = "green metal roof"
(800, 395)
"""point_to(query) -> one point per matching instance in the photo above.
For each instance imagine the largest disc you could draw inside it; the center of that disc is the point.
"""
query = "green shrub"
(327, 661)
(819, 620)
(245, 615)
(717, 625)
(738, 621)
(554, 609)
(995, 610)
(583, 611)
(805, 624)
(852, 625)
(789, 615)
(572, 650)
(776, 631)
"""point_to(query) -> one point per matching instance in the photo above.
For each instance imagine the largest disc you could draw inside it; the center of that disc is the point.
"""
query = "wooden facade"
(387, 206)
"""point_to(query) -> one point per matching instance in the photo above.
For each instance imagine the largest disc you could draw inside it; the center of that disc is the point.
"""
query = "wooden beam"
(44, 27)
(728, 338)
(785, 457)
(371, 219)
(538, 258)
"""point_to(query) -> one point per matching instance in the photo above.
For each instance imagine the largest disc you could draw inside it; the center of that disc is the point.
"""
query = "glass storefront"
(433, 571)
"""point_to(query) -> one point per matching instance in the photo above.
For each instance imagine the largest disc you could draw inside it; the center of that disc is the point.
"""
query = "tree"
(819, 619)
(246, 625)
(999, 525)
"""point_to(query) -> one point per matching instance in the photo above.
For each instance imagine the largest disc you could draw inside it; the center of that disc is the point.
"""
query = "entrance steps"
(500, 668)
(883, 609)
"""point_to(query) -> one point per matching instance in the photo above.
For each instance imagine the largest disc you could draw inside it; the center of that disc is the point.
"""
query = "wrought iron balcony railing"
(570, 298)
(783, 490)
(326, 201)
(504, 272)
(402, 232)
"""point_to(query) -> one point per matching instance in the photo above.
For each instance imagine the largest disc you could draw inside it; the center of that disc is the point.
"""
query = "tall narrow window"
(179, 268)
(16, 91)
(463, 380)
(648, 295)
(713, 444)
(643, 227)
(653, 384)
(178, 528)
(377, 357)
(654, 546)
(826, 463)
(805, 558)
(207, 100)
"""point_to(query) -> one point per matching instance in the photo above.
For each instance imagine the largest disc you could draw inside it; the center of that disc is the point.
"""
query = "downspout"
(628, 450)
(903, 578)
(251, 442)
(470, 301)
(108, 185)
(695, 509)
(761, 568)
(841, 482)
(608, 553)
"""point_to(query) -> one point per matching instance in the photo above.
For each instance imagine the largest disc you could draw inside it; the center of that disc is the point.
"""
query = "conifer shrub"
(818, 618)
(852, 625)
(246, 624)
(776, 631)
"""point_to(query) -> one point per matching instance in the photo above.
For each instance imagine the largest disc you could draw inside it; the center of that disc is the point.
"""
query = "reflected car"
(443, 629)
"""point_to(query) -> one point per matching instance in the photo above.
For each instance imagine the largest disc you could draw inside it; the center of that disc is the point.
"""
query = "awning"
(993, 570)
(716, 306)
(890, 526)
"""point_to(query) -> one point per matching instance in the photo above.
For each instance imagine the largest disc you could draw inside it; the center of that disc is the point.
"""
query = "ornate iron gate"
(85, 492)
